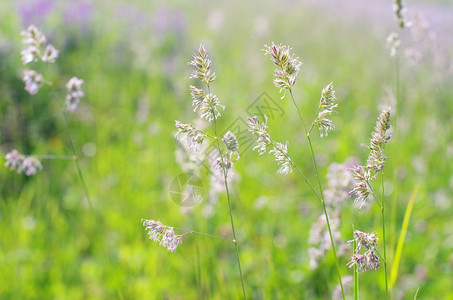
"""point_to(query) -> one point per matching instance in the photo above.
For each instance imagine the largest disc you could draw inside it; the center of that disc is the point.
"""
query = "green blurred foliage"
(133, 58)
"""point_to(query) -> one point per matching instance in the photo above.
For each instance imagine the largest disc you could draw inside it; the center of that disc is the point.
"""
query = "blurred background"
(132, 56)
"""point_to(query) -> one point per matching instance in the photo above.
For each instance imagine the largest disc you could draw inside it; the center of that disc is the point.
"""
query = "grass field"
(58, 243)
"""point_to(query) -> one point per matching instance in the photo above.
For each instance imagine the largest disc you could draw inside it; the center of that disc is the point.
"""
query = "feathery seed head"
(289, 66)
(368, 260)
(393, 43)
(192, 136)
(27, 164)
(326, 106)
(260, 129)
(361, 185)
(50, 54)
(376, 159)
(33, 81)
(231, 143)
(400, 13)
(281, 156)
(33, 37)
(202, 65)
(74, 93)
(162, 234)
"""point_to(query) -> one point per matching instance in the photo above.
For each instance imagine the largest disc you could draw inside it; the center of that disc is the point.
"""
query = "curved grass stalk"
(321, 194)
(228, 199)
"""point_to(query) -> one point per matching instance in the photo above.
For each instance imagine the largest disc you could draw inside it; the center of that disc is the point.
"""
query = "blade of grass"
(399, 247)
(416, 294)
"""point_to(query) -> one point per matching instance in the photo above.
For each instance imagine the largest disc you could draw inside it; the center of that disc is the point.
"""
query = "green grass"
(74, 252)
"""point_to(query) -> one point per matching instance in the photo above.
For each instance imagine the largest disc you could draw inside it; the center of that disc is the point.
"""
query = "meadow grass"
(136, 78)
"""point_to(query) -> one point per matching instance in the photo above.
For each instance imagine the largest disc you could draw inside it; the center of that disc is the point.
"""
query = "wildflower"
(74, 93)
(361, 184)
(50, 54)
(193, 136)
(33, 81)
(30, 54)
(162, 234)
(202, 65)
(14, 159)
(197, 96)
(208, 104)
(33, 37)
(400, 13)
(224, 164)
(289, 66)
(393, 43)
(30, 166)
(368, 260)
(326, 106)
(367, 240)
(27, 164)
(281, 156)
(209, 107)
(377, 158)
(232, 144)
(260, 129)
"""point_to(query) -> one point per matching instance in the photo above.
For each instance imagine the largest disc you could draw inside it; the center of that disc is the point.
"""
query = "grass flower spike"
(202, 65)
(400, 13)
(326, 106)
(260, 129)
(192, 136)
(281, 156)
(289, 66)
(27, 164)
(74, 93)
(162, 234)
(377, 158)
(208, 103)
(361, 185)
(368, 260)
(33, 81)
(36, 44)
(264, 140)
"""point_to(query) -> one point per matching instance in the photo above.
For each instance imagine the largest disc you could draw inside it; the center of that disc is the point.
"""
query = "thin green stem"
(395, 138)
(383, 236)
(322, 195)
(228, 198)
(356, 277)
(62, 157)
(202, 233)
(297, 169)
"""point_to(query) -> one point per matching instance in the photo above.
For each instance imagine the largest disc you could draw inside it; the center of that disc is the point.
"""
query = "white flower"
(50, 54)
(33, 81)
(74, 93)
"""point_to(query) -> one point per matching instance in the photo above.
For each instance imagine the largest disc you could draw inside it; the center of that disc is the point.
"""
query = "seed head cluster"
(362, 188)
(162, 234)
(33, 81)
(74, 93)
(288, 66)
(367, 260)
(27, 164)
(379, 138)
(36, 44)
(326, 105)
(226, 163)
(207, 103)
(279, 150)
(189, 134)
